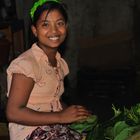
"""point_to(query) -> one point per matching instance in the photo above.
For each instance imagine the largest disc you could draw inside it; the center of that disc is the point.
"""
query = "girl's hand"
(73, 113)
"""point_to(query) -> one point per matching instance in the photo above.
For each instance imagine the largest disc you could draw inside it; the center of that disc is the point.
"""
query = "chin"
(54, 45)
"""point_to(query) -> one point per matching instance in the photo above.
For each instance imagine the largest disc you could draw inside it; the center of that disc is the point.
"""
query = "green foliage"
(84, 125)
(121, 126)
(125, 133)
(132, 116)
(117, 112)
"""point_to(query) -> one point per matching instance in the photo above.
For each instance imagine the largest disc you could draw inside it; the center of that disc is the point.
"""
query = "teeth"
(53, 38)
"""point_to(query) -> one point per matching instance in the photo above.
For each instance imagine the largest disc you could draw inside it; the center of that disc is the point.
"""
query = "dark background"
(102, 51)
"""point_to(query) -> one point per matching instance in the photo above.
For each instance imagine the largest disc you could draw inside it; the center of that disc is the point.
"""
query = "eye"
(46, 24)
(61, 23)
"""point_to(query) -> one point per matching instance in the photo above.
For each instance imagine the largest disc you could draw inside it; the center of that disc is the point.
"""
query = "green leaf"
(119, 127)
(84, 125)
(125, 133)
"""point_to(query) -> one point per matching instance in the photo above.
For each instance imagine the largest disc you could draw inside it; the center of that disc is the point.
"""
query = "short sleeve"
(21, 66)
(64, 67)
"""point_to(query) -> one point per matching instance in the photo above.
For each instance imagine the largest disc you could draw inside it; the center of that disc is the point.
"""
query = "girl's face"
(50, 29)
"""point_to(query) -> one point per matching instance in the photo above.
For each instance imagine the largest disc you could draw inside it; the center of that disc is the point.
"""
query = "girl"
(35, 81)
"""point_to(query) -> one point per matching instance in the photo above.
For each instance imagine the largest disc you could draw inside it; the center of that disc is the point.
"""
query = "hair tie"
(39, 3)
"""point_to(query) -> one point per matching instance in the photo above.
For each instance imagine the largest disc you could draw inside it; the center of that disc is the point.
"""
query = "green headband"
(39, 3)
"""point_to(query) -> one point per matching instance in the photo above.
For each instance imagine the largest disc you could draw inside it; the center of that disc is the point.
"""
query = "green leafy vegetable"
(84, 125)
(117, 112)
(125, 133)
(121, 126)
(124, 123)
(132, 115)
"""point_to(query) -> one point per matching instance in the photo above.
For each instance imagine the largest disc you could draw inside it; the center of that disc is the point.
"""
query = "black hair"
(61, 7)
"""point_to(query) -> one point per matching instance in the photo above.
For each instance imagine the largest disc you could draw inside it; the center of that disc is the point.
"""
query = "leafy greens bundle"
(121, 126)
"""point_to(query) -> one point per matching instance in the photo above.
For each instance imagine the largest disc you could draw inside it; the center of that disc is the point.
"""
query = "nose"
(54, 28)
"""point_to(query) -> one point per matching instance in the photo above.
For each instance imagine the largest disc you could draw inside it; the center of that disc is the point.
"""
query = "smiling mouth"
(54, 38)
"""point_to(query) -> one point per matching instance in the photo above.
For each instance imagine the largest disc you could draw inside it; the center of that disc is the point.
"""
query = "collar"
(39, 53)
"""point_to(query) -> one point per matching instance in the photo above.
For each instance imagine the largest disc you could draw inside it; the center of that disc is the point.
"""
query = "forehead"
(51, 15)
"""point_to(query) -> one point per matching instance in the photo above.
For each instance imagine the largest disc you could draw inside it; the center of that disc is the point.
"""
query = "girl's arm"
(17, 111)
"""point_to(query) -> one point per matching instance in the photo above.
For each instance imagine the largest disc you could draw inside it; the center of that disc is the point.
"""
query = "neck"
(52, 59)
(51, 54)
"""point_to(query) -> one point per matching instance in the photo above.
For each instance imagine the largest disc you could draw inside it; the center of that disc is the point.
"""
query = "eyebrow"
(56, 20)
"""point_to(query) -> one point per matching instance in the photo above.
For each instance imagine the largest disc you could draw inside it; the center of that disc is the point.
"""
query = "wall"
(93, 19)
(113, 27)
(87, 20)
